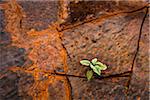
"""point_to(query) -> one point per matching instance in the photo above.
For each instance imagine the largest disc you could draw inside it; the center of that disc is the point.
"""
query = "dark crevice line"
(137, 9)
(137, 49)
(95, 19)
(111, 76)
(68, 75)
(125, 74)
(70, 86)
(68, 81)
(65, 50)
(20, 22)
(63, 44)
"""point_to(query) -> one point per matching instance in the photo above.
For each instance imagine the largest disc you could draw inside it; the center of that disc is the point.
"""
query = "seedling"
(95, 65)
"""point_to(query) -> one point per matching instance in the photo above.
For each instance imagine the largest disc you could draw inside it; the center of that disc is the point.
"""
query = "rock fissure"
(137, 48)
(50, 68)
(99, 19)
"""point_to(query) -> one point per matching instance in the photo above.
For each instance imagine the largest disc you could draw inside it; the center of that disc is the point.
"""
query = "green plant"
(95, 65)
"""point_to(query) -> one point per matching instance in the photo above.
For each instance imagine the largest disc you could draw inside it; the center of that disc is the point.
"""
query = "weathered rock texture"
(140, 77)
(81, 11)
(112, 41)
(1, 20)
(38, 15)
(42, 43)
(97, 89)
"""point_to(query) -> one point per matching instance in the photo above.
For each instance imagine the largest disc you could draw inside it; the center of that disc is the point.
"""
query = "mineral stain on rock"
(39, 55)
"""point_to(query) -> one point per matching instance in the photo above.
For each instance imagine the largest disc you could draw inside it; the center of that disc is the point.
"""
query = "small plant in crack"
(95, 66)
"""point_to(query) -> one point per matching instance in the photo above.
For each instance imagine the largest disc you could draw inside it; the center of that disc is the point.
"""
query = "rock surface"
(140, 79)
(112, 41)
(107, 30)
(39, 14)
(89, 10)
(1, 20)
(98, 89)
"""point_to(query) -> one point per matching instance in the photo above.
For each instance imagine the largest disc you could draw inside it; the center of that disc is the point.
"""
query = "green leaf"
(97, 70)
(92, 66)
(89, 74)
(102, 66)
(94, 61)
(85, 62)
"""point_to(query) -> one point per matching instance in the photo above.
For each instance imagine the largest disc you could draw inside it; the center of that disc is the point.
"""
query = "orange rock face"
(42, 43)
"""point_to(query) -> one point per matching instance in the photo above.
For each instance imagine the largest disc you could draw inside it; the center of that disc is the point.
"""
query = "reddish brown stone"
(24, 84)
(111, 40)
(58, 89)
(2, 23)
(139, 86)
(8, 86)
(87, 10)
(107, 89)
(39, 14)
(11, 56)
